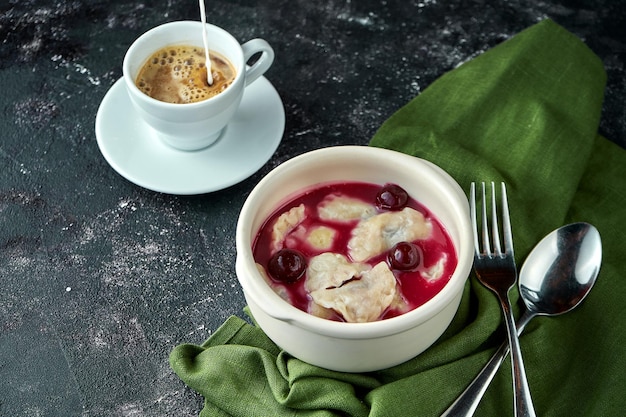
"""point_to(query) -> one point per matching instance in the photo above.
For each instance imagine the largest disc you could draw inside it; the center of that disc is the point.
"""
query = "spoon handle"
(466, 403)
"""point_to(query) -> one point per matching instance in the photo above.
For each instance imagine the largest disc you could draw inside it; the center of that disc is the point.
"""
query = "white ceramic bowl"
(354, 347)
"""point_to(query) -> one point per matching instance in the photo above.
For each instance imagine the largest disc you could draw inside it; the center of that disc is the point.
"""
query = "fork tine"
(472, 202)
(487, 243)
(485, 228)
(506, 223)
(494, 221)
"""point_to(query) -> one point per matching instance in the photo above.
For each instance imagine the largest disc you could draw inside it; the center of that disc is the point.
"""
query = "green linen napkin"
(525, 112)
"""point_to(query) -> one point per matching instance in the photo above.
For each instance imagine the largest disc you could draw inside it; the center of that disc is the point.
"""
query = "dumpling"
(284, 224)
(343, 209)
(329, 270)
(321, 237)
(379, 233)
(321, 312)
(362, 299)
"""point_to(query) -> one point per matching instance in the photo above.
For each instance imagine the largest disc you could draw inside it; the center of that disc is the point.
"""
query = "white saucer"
(246, 144)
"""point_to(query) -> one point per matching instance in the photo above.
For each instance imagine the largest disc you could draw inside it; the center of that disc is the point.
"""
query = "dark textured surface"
(99, 278)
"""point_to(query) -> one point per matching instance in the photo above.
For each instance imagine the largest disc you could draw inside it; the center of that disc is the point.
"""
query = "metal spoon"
(557, 275)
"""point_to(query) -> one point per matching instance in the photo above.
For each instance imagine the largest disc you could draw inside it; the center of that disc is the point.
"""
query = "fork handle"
(465, 405)
(523, 404)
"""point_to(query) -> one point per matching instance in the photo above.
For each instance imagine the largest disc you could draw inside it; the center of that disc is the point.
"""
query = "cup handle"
(252, 47)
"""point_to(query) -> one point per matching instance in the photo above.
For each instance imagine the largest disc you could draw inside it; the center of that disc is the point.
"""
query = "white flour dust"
(62, 62)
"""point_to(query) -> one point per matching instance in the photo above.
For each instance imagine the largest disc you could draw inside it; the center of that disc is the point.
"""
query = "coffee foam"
(178, 74)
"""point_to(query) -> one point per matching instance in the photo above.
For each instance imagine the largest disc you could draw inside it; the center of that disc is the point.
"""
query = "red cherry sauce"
(413, 286)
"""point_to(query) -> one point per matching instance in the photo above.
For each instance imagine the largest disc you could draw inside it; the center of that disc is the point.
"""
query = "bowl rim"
(262, 295)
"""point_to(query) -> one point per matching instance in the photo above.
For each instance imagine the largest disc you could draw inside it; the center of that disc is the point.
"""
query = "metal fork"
(496, 270)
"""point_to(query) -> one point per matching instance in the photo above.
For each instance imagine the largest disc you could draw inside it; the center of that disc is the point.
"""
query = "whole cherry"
(287, 265)
(404, 256)
(392, 197)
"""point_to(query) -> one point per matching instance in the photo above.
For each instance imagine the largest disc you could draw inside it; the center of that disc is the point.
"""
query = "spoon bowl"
(561, 269)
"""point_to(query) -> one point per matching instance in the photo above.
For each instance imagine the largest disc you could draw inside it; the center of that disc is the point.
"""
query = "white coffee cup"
(193, 126)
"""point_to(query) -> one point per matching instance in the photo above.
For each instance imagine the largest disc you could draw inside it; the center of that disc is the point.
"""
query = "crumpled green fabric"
(525, 112)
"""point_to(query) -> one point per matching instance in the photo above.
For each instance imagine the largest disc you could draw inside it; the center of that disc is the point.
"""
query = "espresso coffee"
(178, 74)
